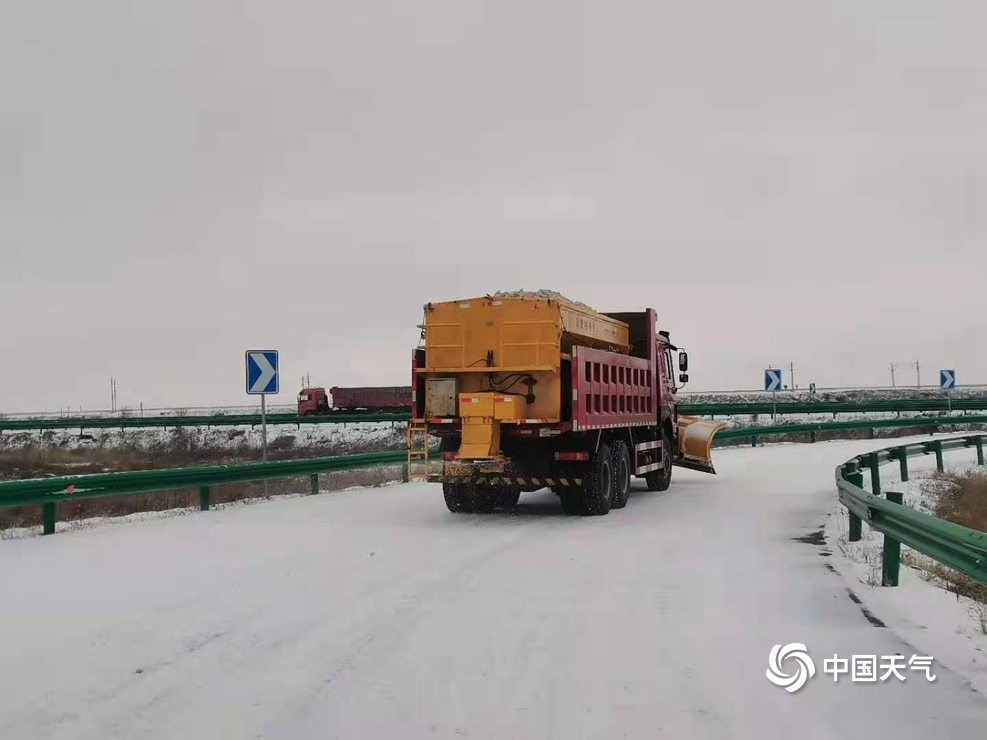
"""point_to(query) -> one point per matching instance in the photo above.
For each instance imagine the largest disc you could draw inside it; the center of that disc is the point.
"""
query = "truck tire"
(621, 458)
(659, 480)
(459, 497)
(484, 499)
(598, 485)
(507, 496)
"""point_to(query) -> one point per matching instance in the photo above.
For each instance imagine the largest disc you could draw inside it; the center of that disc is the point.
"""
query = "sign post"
(947, 381)
(262, 378)
(772, 382)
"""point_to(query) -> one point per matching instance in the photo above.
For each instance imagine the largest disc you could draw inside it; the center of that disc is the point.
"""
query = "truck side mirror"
(683, 378)
(683, 361)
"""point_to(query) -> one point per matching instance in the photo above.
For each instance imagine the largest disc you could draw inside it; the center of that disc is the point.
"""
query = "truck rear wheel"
(507, 496)
(484, 499)
(621, 458)
(459, 497)
(598, 486)
(659, 480)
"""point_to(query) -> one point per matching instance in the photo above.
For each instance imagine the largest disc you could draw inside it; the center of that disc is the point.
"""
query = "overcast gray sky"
(782, 181)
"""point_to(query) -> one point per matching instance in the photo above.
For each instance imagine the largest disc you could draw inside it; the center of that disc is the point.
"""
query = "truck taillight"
(447, 455)
(572, 456)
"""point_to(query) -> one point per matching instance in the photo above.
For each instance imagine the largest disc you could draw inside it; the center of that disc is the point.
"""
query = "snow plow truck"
(530, 390)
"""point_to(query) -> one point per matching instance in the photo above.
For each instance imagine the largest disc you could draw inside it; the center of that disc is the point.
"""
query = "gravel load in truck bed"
(543, 293)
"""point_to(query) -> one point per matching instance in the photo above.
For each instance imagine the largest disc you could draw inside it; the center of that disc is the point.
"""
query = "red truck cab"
(313, 401)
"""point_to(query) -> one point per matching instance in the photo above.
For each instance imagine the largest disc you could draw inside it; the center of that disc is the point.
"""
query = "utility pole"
(918, 373)
(893, 366)
(791, 370)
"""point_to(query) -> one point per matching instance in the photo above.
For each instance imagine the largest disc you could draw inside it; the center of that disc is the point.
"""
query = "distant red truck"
(367, 399)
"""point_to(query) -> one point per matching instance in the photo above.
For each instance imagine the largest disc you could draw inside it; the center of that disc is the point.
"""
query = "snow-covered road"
(375, 613)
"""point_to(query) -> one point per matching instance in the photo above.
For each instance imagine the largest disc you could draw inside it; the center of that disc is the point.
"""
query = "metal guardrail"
(691, 409)
(955, 546)
(931, 423)
(47, 492)
(835, 407)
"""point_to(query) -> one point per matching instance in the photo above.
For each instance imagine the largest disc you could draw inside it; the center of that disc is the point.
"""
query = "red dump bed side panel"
(611, 390)
(371, 397)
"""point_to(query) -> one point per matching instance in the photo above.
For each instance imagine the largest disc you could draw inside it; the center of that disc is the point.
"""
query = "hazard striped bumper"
(507, 480)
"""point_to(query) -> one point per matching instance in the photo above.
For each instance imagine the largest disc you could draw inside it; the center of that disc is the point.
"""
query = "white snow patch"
(362, 435)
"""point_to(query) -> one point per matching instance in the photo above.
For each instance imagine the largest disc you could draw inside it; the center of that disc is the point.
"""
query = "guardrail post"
(979, 442)
(204, 498)
(855, 477)
(314, 484)
(875, 474)
(902, 454)
(812, 436)
(937, 446)
(753, 440)
(48, 518)
(891, 557)
(870, 432)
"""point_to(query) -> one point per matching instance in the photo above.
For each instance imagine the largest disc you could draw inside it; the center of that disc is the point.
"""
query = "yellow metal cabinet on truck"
(470, 339)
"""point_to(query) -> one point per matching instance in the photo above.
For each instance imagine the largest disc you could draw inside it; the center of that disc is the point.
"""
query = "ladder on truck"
(419, 452)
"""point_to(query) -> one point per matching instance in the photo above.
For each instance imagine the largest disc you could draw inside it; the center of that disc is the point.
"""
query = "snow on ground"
(359, 435)
(685, 396)
(830, 394)
(377, 613)
(272, 408)
(953, 628)
(364, 435)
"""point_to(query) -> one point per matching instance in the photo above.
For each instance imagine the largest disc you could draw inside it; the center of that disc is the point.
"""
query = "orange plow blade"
(695, 443)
